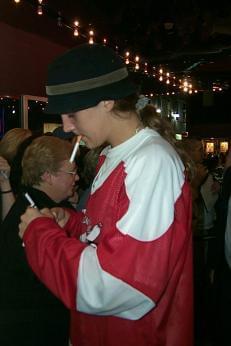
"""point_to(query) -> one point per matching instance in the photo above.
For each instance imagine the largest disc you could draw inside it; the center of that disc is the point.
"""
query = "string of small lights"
(172, 83)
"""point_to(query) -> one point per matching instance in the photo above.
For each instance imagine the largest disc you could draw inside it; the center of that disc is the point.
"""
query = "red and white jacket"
(125, 264)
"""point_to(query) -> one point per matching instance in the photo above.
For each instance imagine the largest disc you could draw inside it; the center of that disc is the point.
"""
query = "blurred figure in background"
(205, 184)
(7, 196)
(8, 148)
(10, 142)
(222, 263)
(194, 148)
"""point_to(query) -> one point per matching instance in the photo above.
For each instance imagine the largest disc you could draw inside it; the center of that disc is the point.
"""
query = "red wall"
(24, 58)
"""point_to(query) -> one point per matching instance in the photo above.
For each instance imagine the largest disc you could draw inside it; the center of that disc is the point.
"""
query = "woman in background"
(9, 145)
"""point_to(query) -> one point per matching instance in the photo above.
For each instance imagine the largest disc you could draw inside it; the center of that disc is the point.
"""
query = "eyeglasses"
(73, 173)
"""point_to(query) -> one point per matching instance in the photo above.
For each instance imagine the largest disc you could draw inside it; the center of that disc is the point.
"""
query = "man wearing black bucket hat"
(124, 263)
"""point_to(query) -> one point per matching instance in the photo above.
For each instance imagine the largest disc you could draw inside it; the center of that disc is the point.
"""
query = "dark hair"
(127, 104)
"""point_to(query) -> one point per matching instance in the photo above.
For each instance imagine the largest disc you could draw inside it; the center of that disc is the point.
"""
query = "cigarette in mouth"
(76, 147)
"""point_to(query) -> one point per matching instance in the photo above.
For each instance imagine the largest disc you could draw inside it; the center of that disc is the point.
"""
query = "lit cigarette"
(30, 200)
(76, 147)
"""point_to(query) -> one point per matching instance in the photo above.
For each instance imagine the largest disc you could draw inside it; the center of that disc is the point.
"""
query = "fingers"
(57, 214)
(61, 216)
(47, 212)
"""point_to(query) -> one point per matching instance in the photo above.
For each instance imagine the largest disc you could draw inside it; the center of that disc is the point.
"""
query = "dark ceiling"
(191, 37)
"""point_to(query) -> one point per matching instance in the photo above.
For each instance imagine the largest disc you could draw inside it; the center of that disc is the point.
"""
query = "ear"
(109, 104)
(46, 177)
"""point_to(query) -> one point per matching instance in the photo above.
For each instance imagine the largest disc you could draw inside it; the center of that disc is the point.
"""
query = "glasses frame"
(73, 173)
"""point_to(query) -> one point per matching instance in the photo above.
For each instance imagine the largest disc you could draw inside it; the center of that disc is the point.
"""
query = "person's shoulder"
(154, 147)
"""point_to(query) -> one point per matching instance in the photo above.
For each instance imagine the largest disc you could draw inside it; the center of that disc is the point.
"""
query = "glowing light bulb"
(91, 40)
(137, 58)
(76, 32)
(17, 1)
(40, 10)
(146, 67)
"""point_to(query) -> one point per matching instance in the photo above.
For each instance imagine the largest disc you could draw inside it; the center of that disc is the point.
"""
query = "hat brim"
(69, 103)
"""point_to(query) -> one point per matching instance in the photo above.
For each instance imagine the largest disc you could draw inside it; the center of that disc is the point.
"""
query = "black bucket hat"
(84, 76)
